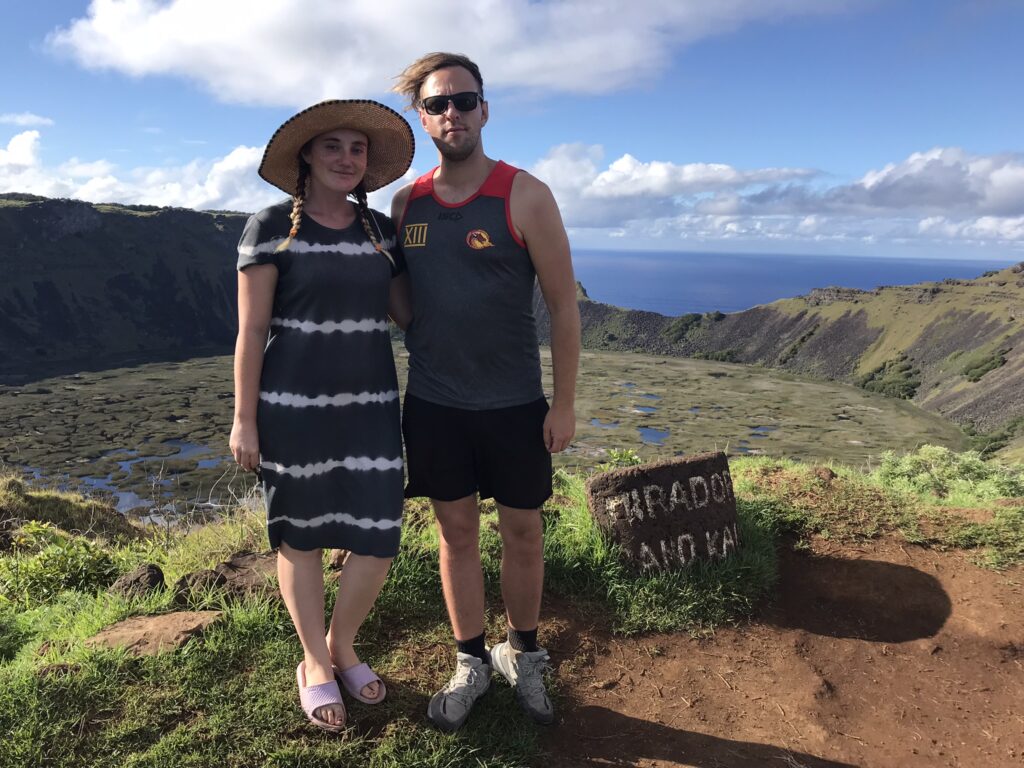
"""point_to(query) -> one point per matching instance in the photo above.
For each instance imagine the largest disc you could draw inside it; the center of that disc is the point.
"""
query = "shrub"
(680, 327)
(937, 471)
(46, 561)
(978, 365)
(620, 457)
(895, 378)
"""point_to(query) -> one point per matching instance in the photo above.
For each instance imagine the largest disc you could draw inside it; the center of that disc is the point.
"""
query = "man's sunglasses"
(464, 102)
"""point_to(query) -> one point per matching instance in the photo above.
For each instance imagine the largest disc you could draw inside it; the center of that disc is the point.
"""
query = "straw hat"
(388, 157)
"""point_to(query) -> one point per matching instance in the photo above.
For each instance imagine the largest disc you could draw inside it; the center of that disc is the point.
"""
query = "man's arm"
(537, 220)
(399, 295)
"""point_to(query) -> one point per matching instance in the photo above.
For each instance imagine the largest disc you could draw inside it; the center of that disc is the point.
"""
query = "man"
(477, 234)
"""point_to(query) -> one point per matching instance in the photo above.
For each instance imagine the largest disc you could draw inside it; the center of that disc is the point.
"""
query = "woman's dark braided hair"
(297, 201)
(359, 193)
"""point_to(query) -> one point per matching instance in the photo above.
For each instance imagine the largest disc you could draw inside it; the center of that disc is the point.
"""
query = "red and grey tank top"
(473, 339)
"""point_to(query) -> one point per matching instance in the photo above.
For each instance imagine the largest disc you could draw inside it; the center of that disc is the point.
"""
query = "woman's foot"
(344, 657)
(317, 674)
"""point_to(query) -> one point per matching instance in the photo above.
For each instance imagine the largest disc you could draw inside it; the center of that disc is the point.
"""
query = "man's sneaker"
(525, 672)
(449, 707)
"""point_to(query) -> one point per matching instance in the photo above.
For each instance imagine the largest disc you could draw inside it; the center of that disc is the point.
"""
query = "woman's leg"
(360, 583)
(301, 578)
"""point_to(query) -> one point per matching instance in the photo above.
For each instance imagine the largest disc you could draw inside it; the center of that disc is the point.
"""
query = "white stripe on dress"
(358, 463)
(331, 326)
(364, 248)
(320, 401)
(365, 523)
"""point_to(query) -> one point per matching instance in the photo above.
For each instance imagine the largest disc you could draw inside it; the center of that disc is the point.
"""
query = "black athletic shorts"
(451, 453)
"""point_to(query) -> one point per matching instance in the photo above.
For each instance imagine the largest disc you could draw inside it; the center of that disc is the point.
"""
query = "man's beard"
(456, 154)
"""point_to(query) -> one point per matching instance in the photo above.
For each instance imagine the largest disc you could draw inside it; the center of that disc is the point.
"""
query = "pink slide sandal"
(312, 697)
(358, 677)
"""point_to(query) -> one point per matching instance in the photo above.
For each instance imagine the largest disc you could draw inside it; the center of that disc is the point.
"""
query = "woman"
(316, 396)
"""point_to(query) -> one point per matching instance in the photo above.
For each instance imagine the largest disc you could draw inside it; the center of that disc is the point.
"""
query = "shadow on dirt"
(861, 599)
(611, 739)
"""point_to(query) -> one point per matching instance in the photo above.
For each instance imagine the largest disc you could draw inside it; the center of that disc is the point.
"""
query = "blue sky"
(794, 126)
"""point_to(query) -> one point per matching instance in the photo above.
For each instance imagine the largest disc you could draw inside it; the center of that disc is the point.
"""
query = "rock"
(149, 635)
(192, 585)
(824, 474)
(241, 575)
(140, 582)
(248, 573)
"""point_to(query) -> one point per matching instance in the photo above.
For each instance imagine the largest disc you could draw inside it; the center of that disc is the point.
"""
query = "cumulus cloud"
(229, 182)
(940, 181)
(628, 177)
(293, 52)
(226, 183)
(24, 119)
(22, 151)
(942, 195)
(628, 188)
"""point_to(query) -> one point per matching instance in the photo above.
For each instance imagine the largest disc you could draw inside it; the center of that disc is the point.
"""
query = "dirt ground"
(883, 655)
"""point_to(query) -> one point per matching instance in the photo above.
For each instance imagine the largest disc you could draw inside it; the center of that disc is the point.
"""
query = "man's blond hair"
(412, 78)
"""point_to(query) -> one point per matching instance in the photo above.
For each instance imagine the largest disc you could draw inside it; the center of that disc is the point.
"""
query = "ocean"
(675, 283)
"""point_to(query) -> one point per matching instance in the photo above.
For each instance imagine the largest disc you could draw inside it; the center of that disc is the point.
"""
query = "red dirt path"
(884, 655)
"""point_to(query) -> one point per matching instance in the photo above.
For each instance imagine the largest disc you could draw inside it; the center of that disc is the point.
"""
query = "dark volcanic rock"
(193, 586)
(248, 573)
(143, 580)
(243, 574)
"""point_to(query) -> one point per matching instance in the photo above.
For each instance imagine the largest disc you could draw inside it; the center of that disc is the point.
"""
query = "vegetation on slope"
(229, 699)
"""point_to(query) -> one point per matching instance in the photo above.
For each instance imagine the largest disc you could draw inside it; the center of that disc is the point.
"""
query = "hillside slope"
(84, 282)
(953, 347)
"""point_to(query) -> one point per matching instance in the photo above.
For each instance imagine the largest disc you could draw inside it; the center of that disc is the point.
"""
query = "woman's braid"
(297, 200)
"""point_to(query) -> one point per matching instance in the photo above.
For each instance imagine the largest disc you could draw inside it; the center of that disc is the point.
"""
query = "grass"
(229, 700)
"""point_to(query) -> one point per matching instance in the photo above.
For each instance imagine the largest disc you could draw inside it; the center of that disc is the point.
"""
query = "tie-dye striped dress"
(328, 414)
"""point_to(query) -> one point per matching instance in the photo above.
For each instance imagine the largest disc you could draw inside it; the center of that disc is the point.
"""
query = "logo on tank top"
(478, 239)
(415, 236)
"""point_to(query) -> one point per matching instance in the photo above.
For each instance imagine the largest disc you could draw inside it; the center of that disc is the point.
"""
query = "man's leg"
(462, 580)
(522, 565)
(462, 577)
(519, 659)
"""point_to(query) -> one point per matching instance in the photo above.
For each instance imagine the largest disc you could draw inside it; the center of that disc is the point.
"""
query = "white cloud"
(22, 151)
(628, 177)
(228, 183)
(294, 52)
(632, 189)
(77, 169)
(24, 119)
(944, 195)
(629, 198)
(940, 181)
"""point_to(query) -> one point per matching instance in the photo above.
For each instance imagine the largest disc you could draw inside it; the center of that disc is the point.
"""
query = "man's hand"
(559, 427)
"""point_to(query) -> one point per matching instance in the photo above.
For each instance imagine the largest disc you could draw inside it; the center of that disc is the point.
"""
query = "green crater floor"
(91, 425)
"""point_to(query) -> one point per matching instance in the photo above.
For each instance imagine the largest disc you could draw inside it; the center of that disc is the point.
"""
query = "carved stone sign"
(667, 514)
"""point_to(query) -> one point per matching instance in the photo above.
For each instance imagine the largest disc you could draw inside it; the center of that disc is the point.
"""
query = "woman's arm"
(256, 286)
